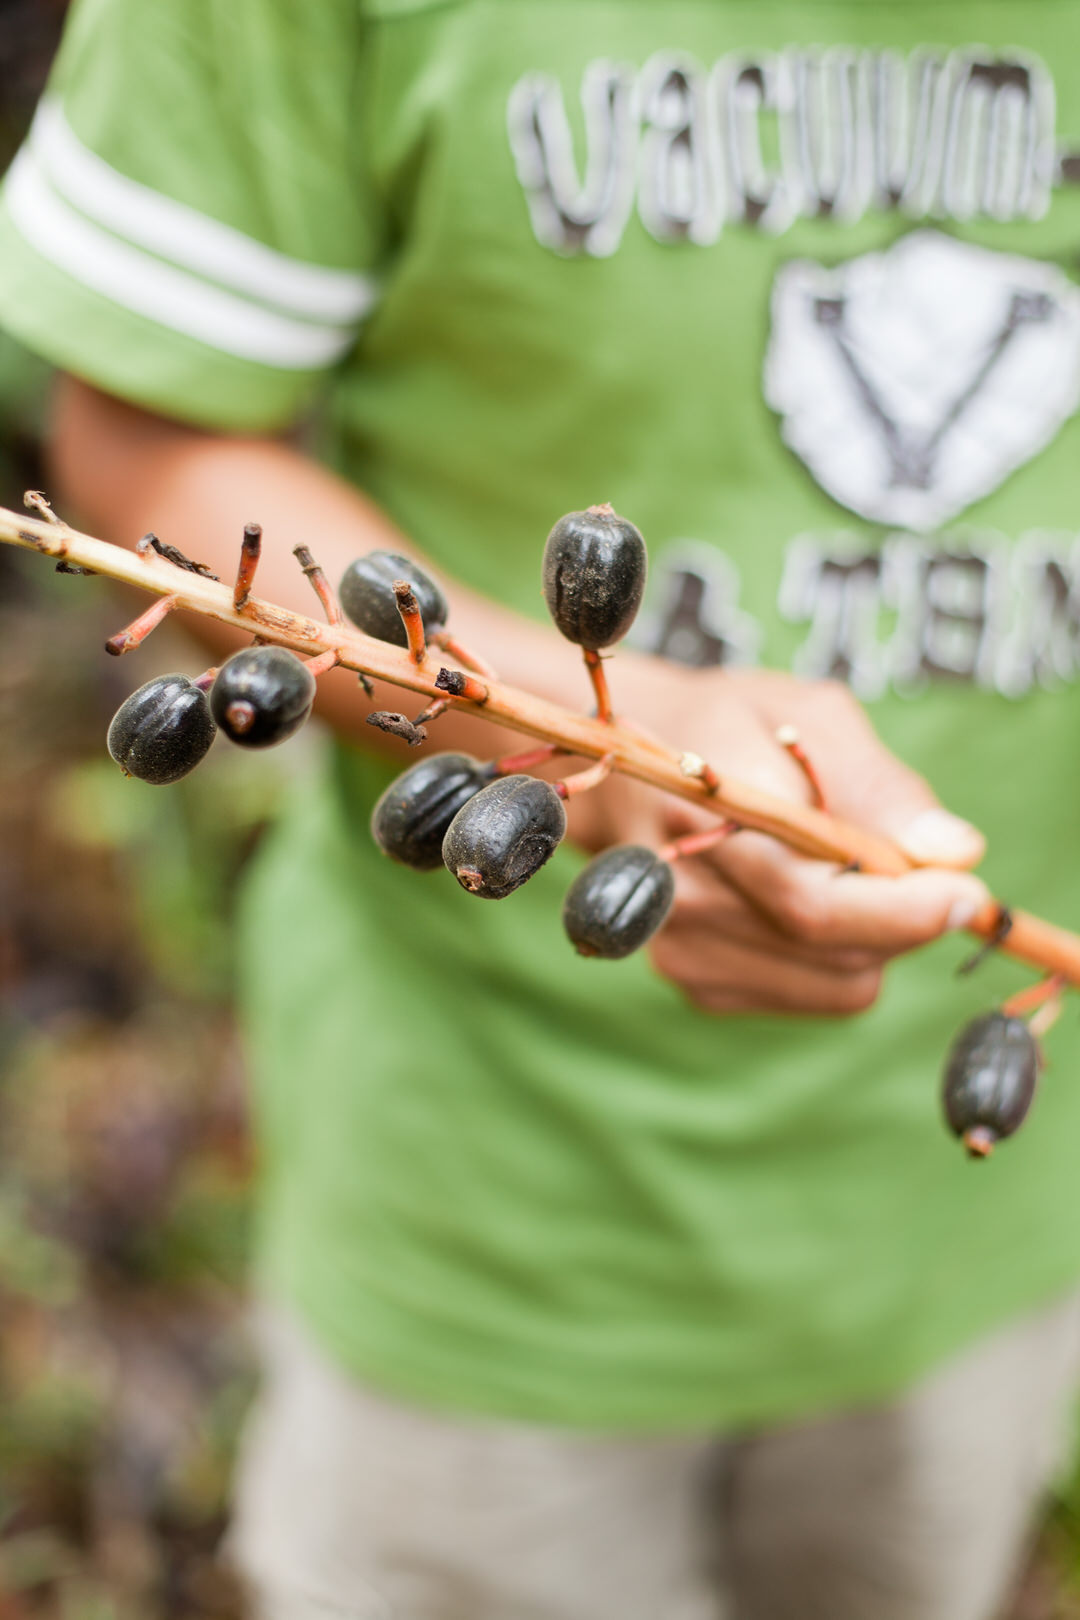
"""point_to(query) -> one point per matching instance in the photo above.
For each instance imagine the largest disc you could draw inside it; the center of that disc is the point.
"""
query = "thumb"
(935, 837)
(896, 801)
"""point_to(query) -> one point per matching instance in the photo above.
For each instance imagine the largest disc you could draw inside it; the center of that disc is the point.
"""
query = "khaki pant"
(353, 1505)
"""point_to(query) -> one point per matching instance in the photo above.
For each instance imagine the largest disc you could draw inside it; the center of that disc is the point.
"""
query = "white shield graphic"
(912, 382)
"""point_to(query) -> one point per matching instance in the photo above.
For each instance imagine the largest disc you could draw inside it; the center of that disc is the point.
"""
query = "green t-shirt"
(794, 286)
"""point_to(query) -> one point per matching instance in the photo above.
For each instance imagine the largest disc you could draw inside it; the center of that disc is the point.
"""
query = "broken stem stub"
(411, 618)
(320, 585)
(456, 684)
(137, 631)
(250, 552)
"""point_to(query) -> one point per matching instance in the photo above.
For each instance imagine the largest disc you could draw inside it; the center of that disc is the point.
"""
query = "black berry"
(503, 835)
(618, 902)
(990, 1077)
(410, 821)
(162, 731)
(261, 696)
(366, 593)
(595, 564)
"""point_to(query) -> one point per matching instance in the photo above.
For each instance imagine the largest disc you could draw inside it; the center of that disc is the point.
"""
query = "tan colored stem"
(1030, 939)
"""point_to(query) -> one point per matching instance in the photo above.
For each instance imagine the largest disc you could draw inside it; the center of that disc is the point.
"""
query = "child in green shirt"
(791, 285)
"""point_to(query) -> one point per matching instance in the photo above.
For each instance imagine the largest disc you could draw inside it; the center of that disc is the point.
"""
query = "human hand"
(755, 926)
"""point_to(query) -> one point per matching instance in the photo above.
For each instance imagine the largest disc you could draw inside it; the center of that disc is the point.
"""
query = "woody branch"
(803, 828)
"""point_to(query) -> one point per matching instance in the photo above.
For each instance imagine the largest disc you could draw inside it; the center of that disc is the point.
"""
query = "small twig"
(398, 725)
(35, 501)
(455, 684)
(411, 618)
(788, 738)
(431, 712)
(1035, 996)
(462, 655)
(694, 766)
(320, 585)
(582, 781)
(1046, 1017)
(366, 683)
(594, 663)
(250, 552)
(512, 764)
(697, 843)
(322, 662)
(137, 631)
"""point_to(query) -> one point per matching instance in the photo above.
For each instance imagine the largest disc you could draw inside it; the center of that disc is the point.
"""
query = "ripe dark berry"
(990, 1079)
(162, 731)
(503, 835)
(595, 564)
(261, 696)
(366, 593)
(410, 821)
(618, 902)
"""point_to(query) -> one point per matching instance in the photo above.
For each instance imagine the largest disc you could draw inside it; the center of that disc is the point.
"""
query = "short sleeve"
(186, 225)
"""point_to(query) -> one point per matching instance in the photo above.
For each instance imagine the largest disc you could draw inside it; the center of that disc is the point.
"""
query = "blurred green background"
(125, 1160)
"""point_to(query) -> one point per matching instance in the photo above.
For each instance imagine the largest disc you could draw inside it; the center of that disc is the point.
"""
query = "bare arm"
(125, 471)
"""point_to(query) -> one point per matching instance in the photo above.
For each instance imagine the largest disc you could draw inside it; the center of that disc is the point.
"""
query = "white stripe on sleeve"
(162, 293)
(188, 238)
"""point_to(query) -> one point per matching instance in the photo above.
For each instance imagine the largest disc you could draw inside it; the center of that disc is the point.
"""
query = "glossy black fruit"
(618, 902)
(162, 731)
(261, 696)
(410, 821)
(595, 564)
(503, 835)
(366, 593)
(990, 1079)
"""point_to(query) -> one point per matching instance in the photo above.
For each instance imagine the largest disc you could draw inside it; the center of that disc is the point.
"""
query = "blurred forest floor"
(125, 1159)
(125, 1164)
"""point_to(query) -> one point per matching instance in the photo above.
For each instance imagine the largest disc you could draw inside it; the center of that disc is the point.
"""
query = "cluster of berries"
(258, 699)
(491, 824)
(495, 831)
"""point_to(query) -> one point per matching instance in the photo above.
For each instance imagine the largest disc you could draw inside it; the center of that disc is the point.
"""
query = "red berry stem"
(250, 552)
(411, 618)
(514, 764)
(582, 781)
(206, 680)
(320, 585)
(138, 630)
(788, 738)
(463, 655)
(432, 712)
(595, 665)
(680, 849)
(1035, 996)
(319, 665)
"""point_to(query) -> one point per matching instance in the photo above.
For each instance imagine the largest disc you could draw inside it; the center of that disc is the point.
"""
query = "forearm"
(123, 472)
